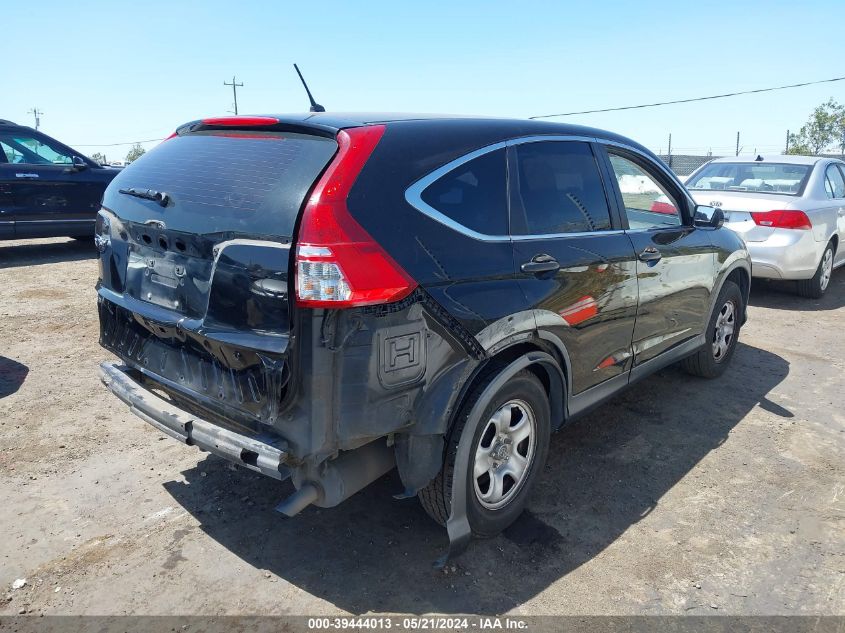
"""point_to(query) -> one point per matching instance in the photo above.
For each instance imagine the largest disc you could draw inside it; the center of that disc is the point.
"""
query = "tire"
(816, 286)
(712, 360)
(524, 399)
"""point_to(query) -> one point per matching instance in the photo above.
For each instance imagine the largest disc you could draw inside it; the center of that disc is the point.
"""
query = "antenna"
(315, 107)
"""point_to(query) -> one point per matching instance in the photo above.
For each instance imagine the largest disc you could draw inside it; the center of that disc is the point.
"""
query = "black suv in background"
(324, 297)
(47, 189)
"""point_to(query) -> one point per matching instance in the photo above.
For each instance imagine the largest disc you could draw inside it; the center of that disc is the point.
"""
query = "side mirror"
(78, 164)
(708, 217)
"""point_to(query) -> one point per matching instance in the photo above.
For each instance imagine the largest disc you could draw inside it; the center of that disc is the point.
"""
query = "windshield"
(781, 178)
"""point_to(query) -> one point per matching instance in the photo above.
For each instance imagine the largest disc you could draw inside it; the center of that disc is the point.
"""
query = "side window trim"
(413, 194)
(618, 216)
(660, 175)
(827, 183)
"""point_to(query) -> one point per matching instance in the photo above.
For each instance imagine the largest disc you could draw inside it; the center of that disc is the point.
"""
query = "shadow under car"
(375, 553)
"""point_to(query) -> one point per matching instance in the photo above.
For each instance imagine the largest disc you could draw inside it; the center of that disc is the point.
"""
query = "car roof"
(503, 127)
(789, 159)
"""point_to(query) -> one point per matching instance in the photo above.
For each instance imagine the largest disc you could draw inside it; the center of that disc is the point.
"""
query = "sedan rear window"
(758, 177)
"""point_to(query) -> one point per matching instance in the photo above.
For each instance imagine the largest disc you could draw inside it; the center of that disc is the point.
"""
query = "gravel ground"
(679, 496)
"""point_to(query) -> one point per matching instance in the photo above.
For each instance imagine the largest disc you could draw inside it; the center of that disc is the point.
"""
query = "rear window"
(474, 194)
(758, 177)
(244, 182)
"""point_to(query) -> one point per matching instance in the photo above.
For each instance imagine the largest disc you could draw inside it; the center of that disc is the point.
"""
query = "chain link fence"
(685, 164)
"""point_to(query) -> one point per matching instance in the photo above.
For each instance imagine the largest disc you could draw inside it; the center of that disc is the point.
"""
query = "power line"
(663, 103)
(547, 116)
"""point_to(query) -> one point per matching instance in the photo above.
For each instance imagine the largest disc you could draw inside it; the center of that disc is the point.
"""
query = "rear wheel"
(815, 287)
(722, 334)
(510, 442)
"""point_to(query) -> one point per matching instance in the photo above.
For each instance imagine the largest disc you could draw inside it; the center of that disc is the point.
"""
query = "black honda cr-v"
(324, 297)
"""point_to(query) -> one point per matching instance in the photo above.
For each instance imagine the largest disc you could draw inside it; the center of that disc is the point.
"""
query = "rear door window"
(474, 194)
(560, 190)
(246, 182)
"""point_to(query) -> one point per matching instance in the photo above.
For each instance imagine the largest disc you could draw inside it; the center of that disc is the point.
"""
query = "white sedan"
(790, 210)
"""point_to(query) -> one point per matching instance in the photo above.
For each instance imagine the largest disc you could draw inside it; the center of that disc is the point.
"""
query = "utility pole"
(786, 151)
(670, 150)
(235, 85)
(737, 143)
(37, 114)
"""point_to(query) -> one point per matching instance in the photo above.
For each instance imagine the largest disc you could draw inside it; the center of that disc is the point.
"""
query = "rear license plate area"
(162, 281)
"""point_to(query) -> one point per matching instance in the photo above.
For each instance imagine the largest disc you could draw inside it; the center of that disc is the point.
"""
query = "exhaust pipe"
(299, 500)
(339, 478)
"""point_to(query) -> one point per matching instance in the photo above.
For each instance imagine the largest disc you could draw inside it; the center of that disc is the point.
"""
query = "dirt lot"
(680, 496)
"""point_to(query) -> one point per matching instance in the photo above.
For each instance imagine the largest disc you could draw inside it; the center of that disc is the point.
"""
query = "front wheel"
(815, 287)
(510, 442)
(721, 336)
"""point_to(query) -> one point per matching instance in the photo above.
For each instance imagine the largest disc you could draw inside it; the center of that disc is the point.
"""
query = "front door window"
(29, 150)
(647, 203)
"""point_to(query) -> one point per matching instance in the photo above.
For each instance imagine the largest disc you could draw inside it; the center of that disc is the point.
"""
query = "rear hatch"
(738, 206)
(195, 243)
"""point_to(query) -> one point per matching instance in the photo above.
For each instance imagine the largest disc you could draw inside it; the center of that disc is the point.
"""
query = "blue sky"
(111, 72)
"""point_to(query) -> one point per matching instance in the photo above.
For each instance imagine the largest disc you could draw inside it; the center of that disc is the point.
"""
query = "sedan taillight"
(785, 219)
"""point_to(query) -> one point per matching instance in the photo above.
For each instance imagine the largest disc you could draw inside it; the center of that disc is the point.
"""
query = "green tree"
(824, 128)
(99, 158)
(135, 153)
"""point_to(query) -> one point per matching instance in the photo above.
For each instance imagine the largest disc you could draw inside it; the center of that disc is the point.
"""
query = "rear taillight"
(338, 264)
(786, 219)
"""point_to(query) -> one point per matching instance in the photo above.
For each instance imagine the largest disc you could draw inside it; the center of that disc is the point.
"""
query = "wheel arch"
(741, 278)
(739, 272)
(420, 450)
(545, 360)
(457, 523)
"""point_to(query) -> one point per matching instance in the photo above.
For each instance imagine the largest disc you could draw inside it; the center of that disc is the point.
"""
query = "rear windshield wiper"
(148, 194)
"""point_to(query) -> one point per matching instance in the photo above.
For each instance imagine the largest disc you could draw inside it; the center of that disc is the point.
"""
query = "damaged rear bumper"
(265, 456)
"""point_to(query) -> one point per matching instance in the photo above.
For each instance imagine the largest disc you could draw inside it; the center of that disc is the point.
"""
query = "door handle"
(649, 254)
(540, 264)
